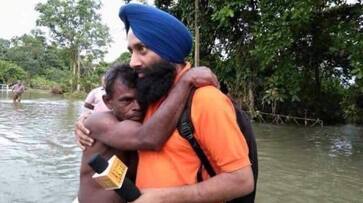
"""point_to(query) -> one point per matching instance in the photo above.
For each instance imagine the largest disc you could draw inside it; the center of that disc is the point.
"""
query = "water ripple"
(37, 145)
(296, 164)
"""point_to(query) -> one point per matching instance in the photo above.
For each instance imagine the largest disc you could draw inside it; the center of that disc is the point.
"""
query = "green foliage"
(39, 82)
(357, 72)
(4, 46)
(76, 95)
(52, 78)
(25, 52)
(223, 15)
(352, 113)
(10, 72)
(76, 26)
(34, 55)
(92, 79)
(46, 65)
(282, 86)
(124, 58)
(56, 75)
(291, 57)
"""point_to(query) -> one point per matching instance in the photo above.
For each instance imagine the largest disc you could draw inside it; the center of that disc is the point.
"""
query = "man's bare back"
(87, 184)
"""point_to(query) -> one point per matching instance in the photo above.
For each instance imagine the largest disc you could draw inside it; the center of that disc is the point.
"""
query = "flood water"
(39, 161)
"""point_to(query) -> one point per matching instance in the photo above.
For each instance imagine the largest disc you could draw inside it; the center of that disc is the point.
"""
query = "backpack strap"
(186, 130)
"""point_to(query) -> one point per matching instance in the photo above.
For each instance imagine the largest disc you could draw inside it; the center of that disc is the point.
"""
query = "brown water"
(310, 164)
(39, 161)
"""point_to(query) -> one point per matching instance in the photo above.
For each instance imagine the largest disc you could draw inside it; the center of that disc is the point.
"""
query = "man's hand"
(81, 133)
(201, 76)
(150, 195)
(220, 188)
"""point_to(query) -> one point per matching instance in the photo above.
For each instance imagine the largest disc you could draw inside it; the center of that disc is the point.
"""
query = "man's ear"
(107, 100)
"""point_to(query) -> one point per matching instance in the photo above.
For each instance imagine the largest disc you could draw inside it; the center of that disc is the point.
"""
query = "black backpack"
(186, 130)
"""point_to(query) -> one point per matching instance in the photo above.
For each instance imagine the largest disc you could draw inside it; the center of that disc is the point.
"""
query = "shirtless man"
(94, 101)
(17, 90)
(120, 129)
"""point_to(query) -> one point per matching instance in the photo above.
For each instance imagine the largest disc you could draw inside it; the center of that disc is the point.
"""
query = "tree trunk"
(317, 79)
(251, 98)
(74, 71)
(78, 72)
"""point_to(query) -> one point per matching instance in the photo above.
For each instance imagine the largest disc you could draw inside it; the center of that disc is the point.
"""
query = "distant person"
(94, 101)
(17, 90)
(121, 129)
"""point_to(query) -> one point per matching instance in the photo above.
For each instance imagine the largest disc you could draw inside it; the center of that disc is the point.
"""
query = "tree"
(295, 56)
(27, 51)
(123, 58)
(76, 26)
(10, 72)
(4, 46)
(225, 40)
(314, 42)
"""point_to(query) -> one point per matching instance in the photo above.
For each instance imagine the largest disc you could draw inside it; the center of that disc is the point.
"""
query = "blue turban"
(158, 30)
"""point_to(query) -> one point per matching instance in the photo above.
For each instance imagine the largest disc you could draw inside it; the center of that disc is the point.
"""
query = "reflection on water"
(39, 161)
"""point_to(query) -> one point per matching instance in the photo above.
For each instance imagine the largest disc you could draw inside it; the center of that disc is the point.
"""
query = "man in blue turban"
(166, 37)
(159, 44)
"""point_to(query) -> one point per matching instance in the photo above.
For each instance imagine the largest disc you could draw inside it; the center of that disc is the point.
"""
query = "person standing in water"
(17, 90)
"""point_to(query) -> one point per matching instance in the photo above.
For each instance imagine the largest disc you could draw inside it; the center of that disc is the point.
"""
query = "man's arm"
(130, 135)
(90, 100)
(86, 112)
(222, 187)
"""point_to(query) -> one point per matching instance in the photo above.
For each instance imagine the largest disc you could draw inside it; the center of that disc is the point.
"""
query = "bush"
(56, 75)
(353, 113)
(57, 89)
(10, 72)
(39, 82)
(76, 95)
(92, 79)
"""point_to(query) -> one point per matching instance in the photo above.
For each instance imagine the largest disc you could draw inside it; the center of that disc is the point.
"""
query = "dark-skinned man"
(119, 131)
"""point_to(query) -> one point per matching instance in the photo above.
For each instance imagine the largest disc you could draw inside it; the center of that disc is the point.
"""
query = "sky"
(17, 17)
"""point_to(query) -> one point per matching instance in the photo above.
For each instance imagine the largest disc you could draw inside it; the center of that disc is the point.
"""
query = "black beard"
(156, 83)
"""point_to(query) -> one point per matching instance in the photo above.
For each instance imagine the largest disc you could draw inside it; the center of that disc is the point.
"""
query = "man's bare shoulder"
(100, 121)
